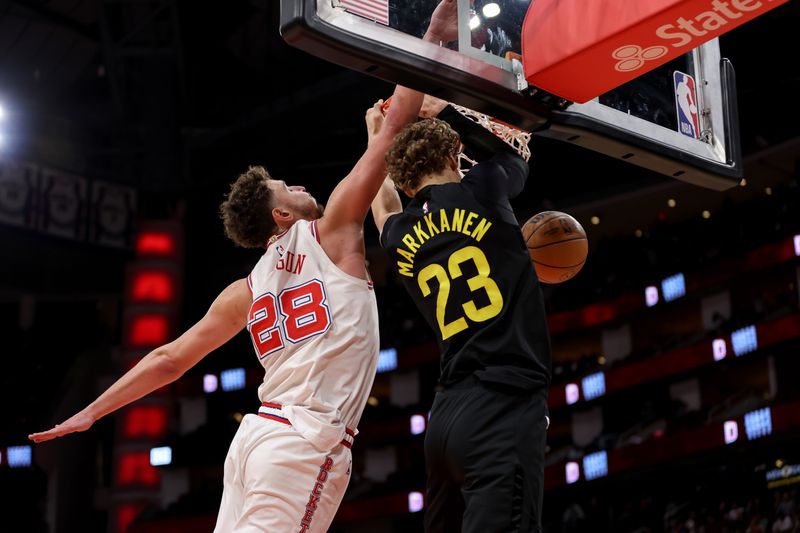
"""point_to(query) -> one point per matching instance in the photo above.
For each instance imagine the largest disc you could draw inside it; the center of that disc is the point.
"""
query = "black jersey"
(459, 251)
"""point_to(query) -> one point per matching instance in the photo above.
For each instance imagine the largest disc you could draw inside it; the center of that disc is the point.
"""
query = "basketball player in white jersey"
(311, 313)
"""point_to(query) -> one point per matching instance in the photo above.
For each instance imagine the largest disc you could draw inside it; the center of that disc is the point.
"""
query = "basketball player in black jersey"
(458, 249)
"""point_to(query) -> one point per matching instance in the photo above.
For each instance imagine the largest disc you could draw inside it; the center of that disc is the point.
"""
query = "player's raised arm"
(224, 319)
(386, 203)
(350, 201)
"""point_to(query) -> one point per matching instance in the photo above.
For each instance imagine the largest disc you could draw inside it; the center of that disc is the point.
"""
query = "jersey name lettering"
(432, 224)
(291, 262)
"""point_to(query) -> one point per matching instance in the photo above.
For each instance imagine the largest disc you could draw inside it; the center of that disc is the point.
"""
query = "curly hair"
(419, 150)
(246, 211)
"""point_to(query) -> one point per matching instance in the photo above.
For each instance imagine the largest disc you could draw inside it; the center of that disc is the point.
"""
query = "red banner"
(578, 50)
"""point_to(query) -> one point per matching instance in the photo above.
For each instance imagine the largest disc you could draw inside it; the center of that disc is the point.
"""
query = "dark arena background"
(675, 403)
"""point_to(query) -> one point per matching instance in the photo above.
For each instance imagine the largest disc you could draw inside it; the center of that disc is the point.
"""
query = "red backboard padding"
(579, 49)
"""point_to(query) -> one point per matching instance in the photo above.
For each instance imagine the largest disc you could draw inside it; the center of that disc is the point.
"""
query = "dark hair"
(421, 149)
(247, 211)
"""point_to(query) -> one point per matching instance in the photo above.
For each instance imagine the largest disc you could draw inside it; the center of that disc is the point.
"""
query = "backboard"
(679, 120)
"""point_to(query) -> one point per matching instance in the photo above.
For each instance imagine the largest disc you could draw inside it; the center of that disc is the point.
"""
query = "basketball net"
(515, 138)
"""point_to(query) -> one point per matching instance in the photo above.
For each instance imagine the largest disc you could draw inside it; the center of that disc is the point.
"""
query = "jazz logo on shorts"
(686, 105)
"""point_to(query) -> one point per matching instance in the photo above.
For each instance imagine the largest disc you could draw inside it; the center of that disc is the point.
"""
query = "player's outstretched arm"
(224, 319)
(351, 199)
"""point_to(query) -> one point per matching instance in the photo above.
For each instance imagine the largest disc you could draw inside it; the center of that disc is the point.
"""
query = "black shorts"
(484, 450)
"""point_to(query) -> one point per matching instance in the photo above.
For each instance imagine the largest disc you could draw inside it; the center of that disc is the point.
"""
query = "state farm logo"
(711, 21)
(632, 56)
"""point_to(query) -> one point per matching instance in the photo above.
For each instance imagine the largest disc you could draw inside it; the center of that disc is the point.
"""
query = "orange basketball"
(557, 244)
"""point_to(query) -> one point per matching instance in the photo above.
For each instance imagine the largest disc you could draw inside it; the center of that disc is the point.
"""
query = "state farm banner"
(579, 49)
(112, 214)
(63, 204)
(19, 194)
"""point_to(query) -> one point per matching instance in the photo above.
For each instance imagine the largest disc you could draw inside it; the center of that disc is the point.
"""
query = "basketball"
(557, 244)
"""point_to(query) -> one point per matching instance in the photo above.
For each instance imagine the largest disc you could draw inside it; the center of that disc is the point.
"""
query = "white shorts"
(277, 481)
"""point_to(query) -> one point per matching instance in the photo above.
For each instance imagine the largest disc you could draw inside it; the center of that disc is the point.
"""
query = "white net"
(512, 136)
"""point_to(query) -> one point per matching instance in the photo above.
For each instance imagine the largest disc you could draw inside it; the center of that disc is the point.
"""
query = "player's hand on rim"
(78, 422)
(374, 119)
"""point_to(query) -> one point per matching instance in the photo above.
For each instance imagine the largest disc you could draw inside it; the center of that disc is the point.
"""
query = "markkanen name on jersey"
(432, 224)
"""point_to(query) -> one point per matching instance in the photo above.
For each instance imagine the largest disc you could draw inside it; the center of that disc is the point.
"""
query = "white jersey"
(315, 330)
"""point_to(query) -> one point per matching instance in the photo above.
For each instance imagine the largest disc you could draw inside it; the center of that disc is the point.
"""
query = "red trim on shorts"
(282, 420)
(275, 418)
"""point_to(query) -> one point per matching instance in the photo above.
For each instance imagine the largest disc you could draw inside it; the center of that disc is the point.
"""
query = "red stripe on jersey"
(315, 230)
(273, 405)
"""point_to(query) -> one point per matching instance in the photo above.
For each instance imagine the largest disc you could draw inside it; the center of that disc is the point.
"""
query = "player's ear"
(409, 193)
(452, 162)
(282, 216)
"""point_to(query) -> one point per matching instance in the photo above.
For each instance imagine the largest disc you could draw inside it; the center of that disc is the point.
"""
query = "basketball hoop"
(514, 137)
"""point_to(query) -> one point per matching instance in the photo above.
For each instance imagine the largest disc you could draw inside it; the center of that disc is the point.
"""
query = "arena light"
(415, 502)
(572, 472)
(491, 10)
(145, 421)
(127, 513)
(233, 379)
(19, 456)
(134, 468)
(153, 286)
(572, 393)
(155, 243)
(160, 456)
(651, 295)
(417, 424)
(758, 423)
(2, 112)
(210, 383)
(730, 430)
(719, 348)
(744, 340)
(594, 386)
(474, 22)
(595, 465)
(387, 360)
(148, 330)
(673, 287)
(797, 245)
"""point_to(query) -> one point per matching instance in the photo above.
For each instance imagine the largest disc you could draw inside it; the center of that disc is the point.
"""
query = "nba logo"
(686, 105)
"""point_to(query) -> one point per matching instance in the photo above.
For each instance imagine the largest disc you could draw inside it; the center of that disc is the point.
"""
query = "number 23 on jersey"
(481, 281)
(296, 314)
